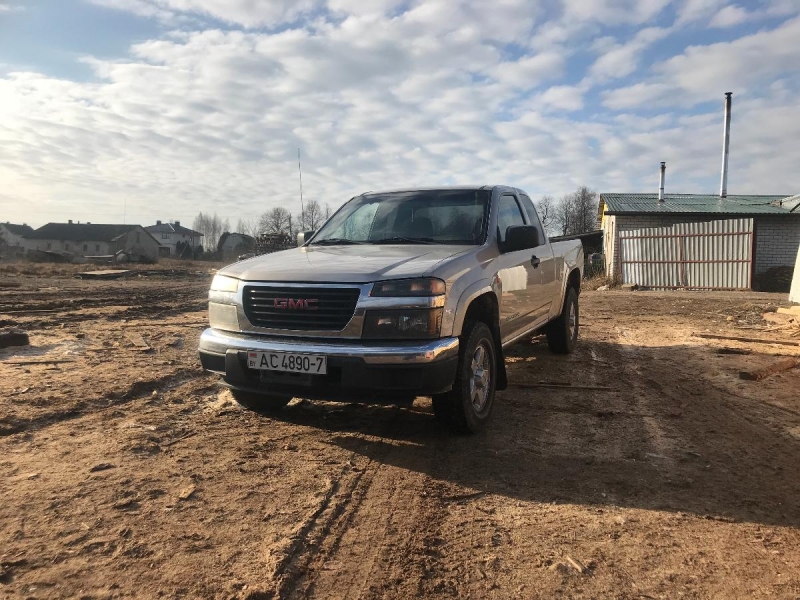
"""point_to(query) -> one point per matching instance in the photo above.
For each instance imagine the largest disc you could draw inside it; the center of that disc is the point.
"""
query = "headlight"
(411, 324)
(424, 286)
(222, 283)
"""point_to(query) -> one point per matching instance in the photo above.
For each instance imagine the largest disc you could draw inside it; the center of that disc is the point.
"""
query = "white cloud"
(703, 72)
(729, 16)
(620, 60)
(613, 12)
(248, 13)
(387, 95)
(562, 97)
(529, 71)
(695, 10)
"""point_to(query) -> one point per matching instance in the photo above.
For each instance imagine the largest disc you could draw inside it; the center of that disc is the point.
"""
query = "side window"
(508, 214)
(533, 217)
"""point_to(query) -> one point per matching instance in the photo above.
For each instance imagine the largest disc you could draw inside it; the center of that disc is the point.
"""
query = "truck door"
(519, 278)
(549, 290)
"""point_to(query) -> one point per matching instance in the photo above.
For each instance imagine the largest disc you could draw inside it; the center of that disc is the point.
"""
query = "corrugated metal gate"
(707, 255)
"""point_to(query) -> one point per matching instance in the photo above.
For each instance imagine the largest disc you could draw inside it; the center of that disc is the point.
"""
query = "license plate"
(288, 361)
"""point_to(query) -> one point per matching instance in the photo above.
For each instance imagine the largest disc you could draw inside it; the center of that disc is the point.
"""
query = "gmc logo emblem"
(295, 303)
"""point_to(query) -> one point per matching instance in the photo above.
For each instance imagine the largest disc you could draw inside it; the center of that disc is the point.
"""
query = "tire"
(467, 407)
(260, 402)
(562, 333)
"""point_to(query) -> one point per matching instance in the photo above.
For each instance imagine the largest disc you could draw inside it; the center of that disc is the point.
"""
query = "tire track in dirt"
(384, 537)
(137, 390)
(374, 518)
(320, 532)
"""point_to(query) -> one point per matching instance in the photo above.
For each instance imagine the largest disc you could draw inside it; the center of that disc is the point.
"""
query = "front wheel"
(562, 333)
(260, 402)
(467, 407)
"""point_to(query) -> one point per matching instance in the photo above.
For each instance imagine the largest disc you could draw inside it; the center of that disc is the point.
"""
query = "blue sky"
(157, 109)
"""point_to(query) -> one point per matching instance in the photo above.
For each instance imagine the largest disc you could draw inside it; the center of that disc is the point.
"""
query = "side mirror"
(304, 236)
(521, 237)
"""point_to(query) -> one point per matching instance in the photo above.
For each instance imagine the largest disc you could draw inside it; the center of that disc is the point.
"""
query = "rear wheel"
(467, 407)
(562, 333)
(260, 402)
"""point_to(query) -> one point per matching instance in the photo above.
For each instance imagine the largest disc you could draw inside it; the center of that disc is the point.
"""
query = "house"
(698, 240)
(175, 239)
(12, 234)
(231, 245)
(96, 239)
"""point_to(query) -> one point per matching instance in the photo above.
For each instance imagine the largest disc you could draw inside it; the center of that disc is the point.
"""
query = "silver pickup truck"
(399, 294)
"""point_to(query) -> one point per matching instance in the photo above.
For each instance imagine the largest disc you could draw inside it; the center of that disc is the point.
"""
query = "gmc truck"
(398, 294)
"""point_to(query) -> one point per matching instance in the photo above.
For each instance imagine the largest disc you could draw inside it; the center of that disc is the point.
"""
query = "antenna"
(302, 210)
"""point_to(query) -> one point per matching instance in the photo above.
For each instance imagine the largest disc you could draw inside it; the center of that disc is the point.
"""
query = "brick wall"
(777, 242)
(777, 237)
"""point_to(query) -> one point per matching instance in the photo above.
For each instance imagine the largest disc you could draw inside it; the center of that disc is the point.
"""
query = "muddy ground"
(129, 473)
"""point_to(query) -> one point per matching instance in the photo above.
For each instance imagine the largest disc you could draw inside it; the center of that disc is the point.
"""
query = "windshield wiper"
(404, 240)
(335, 242)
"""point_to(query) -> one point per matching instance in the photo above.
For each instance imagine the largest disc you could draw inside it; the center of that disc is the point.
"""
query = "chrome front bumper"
(215, 341)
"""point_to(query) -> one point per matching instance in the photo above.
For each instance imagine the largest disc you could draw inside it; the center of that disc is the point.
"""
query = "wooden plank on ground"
(104, 274)
(43, 361)
(778, 367)
(792, 310)
(747, 340)
(563, 386)
(137, 340)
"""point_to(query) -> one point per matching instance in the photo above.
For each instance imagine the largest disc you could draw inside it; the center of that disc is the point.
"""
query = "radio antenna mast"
(302, 209)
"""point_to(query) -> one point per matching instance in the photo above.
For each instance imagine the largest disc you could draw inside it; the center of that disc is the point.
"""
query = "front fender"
(479, 288)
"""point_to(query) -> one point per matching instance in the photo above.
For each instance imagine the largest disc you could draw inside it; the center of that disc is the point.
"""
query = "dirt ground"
(128, 473)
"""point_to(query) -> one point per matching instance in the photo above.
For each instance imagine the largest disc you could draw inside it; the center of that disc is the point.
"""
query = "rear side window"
(533, 216)
(508, 215)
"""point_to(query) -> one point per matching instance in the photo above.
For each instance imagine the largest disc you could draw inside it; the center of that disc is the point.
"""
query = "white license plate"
(288, 361)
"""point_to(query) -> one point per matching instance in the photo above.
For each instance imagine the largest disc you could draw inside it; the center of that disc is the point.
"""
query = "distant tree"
(211, 227)
(312, 217)
(247, 227)
(276, 220)
(546, 207)
(576, 212)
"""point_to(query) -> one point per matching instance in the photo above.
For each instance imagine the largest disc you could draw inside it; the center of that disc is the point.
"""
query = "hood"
(343, 264)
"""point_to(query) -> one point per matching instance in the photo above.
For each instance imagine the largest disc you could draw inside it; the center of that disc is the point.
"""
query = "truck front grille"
(300, 308)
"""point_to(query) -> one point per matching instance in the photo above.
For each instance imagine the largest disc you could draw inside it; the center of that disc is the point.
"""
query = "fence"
(704, 255)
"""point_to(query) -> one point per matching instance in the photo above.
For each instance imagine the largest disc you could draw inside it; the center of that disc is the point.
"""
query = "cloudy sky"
(157, 109)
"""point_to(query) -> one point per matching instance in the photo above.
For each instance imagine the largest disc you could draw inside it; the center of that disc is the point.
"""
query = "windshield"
(417, 217)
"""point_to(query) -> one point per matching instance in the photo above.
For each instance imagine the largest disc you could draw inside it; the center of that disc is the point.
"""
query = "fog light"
(223, 316)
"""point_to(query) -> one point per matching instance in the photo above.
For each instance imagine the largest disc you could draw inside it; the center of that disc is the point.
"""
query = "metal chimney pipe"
(726, 143)
(661, 182)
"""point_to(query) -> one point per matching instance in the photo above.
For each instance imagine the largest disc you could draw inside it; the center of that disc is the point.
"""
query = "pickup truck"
(399, 294)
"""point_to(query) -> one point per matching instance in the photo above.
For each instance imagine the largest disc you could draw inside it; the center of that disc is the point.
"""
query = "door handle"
(535, 261)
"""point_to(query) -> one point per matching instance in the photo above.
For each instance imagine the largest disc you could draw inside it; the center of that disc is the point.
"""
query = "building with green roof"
(771, 221)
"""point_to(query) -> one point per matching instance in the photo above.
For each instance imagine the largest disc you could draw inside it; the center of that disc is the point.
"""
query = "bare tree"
(247, 227)
(312, 217)
(562, 216)
(546, 208)
(276, 220)
(585, 206)
(576, 213)
(211, 227)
